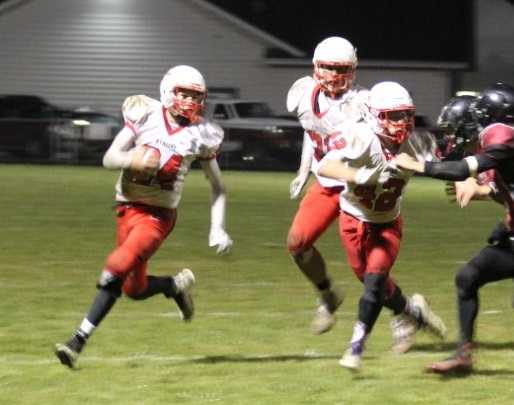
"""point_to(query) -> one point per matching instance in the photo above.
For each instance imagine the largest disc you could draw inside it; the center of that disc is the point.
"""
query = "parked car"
(255, 137)
(33, 129)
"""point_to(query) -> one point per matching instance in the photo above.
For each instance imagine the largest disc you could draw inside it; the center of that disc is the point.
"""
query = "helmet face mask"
(183, 92)
(187, 103)
(335, 61)
(393, 111)
(333, 78)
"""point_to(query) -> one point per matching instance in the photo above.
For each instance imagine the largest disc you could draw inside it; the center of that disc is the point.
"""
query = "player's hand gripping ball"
(145, 163)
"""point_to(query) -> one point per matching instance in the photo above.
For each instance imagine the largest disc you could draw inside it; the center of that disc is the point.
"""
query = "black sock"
(324, 285)
(468, 310)
(368, 313)
(396, 302)
(77, 341)
(157, 285)
(101, 306)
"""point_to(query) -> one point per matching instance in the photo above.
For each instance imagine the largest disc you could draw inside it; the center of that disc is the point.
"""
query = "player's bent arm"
(335, 169)
(455, 171)
(120, 153)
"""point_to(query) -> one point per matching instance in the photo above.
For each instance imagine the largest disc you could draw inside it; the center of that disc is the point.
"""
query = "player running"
(321, 101)
(154, 151)
(370, 224)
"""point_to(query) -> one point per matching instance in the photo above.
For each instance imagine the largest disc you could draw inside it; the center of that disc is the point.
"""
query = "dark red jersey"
(497, 153)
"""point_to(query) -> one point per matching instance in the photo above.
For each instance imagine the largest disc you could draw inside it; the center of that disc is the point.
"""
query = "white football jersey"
(178, 147)
(377, 201)
(320, 115)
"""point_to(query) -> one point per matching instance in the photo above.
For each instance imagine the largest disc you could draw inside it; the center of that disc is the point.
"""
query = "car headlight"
(81, 123)
(274, 129)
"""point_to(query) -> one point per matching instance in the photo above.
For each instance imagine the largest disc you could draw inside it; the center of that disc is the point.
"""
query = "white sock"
(86, 327)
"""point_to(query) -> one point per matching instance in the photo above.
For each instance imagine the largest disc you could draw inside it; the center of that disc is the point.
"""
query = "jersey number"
(168, 173)
(333, 141)
(386, 200)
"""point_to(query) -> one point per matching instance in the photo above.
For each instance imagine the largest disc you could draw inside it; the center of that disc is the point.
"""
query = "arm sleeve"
(218, 200)
(455, 171)
(306, 159)
(462, 169)
(119, 154)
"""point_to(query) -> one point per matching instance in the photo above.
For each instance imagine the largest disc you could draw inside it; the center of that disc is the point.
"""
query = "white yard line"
(39, 360)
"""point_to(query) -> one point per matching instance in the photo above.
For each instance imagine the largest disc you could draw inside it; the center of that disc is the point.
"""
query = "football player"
(370, 224)
(154, 151)
(324, 99)
(494, 158)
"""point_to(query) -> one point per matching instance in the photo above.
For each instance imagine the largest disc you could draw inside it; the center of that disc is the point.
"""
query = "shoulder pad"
(136, 108)
(361, 95)
(297, 91)
(211, 136)
(496, 134)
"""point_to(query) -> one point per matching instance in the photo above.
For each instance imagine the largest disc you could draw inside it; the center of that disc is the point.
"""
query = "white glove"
(219, 238)
(296, 186)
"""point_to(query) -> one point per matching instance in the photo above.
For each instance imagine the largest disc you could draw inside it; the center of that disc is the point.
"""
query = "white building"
(96, 52)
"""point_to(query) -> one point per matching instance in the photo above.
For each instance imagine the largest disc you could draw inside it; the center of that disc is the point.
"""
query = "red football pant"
(371, 247)
(140, 232)
(317, 210)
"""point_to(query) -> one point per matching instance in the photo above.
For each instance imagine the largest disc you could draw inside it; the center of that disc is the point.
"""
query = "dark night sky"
(414, 30)
(432, 30)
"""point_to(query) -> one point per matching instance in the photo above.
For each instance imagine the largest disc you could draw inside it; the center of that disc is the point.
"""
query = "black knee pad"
(466, 281)
(374, 287)
(110, 283)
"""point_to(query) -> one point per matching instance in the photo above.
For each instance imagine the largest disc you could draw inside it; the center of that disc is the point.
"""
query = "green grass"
(250, 341)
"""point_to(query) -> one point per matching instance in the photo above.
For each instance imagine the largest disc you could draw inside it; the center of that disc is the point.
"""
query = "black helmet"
(495, 104)
(458, 124)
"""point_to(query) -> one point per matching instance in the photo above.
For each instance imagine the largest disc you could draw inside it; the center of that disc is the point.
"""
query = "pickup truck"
(255, 137)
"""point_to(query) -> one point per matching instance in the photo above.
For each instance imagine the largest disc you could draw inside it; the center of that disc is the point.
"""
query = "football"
(145, 163)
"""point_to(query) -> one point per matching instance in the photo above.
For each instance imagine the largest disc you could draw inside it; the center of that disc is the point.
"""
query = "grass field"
(250, 341)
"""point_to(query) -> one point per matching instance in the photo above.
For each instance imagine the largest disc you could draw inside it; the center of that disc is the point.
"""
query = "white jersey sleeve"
(298, 91)
(211, 138)
(136, 109)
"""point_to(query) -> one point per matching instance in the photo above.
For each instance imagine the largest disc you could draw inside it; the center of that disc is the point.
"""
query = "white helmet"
(183, 77)
(335, 61)
(393, 111)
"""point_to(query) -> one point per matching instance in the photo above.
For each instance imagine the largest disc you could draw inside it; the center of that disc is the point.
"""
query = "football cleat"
(66, 354)
(325, 319)
(429, 320)
(350, 360)
(403, 328)
(184, 282)
(460, 363)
